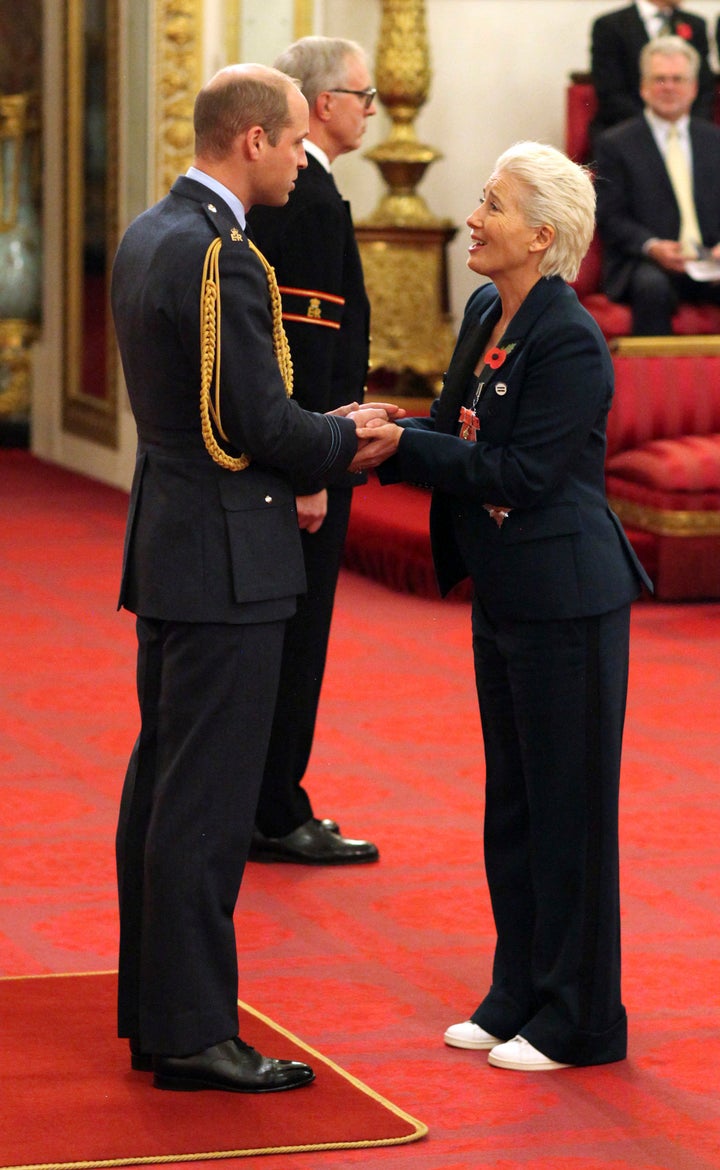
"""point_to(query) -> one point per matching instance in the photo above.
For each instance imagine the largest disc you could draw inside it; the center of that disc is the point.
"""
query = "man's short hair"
(669, 47)
(319, 63)
(232, 102)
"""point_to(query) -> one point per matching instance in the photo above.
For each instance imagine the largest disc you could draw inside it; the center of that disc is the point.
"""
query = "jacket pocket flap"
(541, 523)
(245, 492)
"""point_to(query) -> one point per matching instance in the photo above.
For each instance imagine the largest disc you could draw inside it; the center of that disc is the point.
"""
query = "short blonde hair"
(669, 46)
(557, 192)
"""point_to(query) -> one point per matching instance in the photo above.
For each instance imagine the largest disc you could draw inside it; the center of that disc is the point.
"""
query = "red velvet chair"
(615, 320)
(663, 467)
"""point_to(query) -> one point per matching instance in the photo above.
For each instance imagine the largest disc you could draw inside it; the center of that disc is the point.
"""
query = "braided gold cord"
(280, 342)
(210, 323)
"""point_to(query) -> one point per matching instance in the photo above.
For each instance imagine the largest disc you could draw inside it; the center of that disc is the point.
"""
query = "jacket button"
(268, 499)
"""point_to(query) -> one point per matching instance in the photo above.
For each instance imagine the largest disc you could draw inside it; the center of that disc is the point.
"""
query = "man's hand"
(376, 442)
(668, 254)
(311, 510)
(382, 410)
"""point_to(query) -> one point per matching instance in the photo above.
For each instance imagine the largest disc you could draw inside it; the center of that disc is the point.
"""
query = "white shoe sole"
(545, 1065)
(472, 1045)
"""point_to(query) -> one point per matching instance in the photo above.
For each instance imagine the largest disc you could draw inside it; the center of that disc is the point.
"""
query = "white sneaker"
(469, 1035)
(520, 1055)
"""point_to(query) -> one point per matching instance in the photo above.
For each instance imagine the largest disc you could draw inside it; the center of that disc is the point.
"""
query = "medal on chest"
(469, 424)
(468, 420)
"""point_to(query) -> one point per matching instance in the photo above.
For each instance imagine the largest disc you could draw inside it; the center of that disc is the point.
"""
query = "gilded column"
(403, 244)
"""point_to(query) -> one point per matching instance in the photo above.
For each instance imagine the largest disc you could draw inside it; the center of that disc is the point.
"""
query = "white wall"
(500, 68)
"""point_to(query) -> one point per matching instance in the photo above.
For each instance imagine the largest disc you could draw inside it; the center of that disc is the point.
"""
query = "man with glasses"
(617, 40)
(311, 244)
(658, 179)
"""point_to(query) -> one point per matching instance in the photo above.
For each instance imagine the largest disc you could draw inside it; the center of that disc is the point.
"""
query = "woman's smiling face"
(500, 235)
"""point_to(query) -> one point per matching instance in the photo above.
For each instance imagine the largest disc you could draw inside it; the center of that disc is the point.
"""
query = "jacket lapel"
(470, 345)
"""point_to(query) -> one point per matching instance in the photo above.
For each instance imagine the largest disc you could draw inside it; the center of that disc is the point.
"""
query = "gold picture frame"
(90, 149)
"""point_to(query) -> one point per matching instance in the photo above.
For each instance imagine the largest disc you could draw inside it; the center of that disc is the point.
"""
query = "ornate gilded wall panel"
(178, 69)
(90, 220)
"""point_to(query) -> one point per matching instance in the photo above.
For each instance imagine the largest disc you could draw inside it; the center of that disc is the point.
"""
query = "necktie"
(666, 26)
(681, 179)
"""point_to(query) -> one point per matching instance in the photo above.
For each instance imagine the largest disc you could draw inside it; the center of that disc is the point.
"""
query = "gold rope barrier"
(210, 323)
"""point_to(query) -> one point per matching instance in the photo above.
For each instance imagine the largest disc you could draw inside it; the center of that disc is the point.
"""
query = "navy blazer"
(561, 553)
(311, 244)
(204, 543)
(617, 40)
(635, 198)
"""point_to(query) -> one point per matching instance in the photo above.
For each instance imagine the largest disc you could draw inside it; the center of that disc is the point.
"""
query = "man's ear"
(322, 106)
(255, 139)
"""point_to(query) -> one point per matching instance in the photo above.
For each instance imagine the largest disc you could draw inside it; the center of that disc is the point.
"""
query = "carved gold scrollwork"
(402, 243)
(179, 76)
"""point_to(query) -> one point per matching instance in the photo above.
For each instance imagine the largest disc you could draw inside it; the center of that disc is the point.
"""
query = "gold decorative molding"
(402, 76)
(666, 521)
(303, 19)
(688, 345)
(406, 279)
(88, 411)
(16, 338)
(402, 244)
(178, 77)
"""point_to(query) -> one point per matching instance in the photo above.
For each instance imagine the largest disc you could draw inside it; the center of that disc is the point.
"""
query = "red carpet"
(69, 1097)
(369, 964)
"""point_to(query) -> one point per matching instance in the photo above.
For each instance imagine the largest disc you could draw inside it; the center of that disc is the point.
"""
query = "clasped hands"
(671, 255)
(377, 434)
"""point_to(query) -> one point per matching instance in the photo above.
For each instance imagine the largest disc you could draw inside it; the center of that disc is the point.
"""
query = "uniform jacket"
(311, 244)
(636, 200)
(561, 553)
(616, 42)
(204, 543)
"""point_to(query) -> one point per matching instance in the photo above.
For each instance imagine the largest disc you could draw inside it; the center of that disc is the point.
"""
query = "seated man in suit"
(658, 192)
(616, 42)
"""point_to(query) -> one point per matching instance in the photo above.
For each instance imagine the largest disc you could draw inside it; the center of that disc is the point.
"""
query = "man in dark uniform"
(212, 567)
(617, 40)
(311, 244)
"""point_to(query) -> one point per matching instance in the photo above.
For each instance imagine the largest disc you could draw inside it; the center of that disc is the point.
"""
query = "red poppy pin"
(496, 356)
(684, 30)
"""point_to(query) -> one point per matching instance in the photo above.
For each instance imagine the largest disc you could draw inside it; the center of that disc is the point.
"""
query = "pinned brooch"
(496, 356)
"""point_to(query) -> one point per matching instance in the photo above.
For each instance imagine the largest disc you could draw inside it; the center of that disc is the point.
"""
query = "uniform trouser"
(284, 804)
(206, 693)
(552, 701)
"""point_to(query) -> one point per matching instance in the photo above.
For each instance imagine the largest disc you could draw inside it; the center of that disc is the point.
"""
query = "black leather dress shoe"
(333, 826)
(233, 1066)
(312, 844)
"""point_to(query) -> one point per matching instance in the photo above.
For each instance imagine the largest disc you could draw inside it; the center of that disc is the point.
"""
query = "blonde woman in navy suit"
(514, 450)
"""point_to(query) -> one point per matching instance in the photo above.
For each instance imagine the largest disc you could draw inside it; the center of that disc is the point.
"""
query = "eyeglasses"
(670, 79)
(368, 95)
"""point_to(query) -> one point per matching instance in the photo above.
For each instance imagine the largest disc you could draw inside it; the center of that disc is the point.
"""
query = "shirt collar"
(661, 127)
(648, 11)
(317, 153)
(220, 189)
